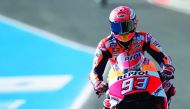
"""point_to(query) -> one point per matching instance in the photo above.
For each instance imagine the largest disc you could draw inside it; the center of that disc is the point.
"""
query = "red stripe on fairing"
(155, 84)
(161, 2)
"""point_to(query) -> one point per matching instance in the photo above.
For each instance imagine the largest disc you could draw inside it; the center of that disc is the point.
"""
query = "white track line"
(33, 83)
(46, 35)
(82, 99)
(12, 104)
(85, 93)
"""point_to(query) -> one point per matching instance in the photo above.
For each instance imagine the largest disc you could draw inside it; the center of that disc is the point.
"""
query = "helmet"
(123, 23)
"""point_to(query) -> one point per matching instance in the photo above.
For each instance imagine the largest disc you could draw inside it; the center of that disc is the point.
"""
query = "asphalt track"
(85, 19)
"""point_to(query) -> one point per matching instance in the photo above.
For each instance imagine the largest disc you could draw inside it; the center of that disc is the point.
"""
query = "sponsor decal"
(132, 73)
(137, 46)
(149, 37)
(121, 16)
(133, 57)
(136, 39)
(113, 45)
(155, 43)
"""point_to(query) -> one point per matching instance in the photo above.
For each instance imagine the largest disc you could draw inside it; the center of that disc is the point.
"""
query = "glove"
(100, 87)
(172, 91)
(106, 103)
(167, 73)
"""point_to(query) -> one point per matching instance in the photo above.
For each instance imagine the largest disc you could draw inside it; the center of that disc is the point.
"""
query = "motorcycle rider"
(125, 37)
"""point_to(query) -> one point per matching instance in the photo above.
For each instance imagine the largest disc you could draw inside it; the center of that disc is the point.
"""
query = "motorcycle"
(139, 88)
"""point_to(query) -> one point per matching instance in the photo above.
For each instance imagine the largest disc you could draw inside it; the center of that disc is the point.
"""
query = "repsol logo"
(133, 57)
(132, 73)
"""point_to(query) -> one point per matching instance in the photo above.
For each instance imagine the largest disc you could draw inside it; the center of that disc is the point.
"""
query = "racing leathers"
(109, 48)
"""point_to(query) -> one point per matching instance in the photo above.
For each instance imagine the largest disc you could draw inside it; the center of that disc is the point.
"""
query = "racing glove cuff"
(167, 73)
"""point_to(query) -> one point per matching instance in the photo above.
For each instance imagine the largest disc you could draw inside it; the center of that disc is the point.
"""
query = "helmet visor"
(123, 27)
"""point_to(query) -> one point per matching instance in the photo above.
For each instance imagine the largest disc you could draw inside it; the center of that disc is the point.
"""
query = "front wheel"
(142, 100)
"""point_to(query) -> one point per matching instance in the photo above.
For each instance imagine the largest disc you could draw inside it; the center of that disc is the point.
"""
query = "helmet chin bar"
(122, 39)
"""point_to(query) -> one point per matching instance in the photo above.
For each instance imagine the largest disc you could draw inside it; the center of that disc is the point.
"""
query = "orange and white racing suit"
(109, 48)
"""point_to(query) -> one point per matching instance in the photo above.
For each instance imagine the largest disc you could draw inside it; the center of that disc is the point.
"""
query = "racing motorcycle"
(134, 83)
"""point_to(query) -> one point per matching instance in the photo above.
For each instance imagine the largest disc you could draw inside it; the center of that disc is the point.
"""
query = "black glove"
(167, 73)
(100, 87)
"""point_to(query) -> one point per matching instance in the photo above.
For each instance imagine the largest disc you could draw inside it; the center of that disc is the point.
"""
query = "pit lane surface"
(85, 19)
